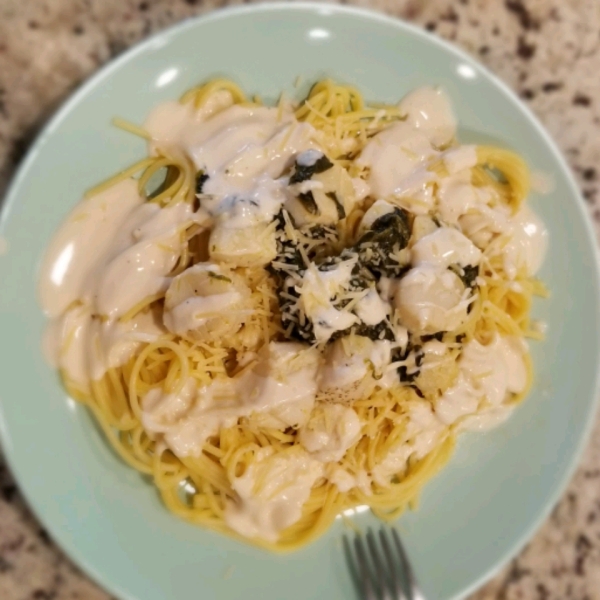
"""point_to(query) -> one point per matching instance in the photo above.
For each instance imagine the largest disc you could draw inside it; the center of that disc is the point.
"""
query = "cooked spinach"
(399, 354)
(433, 336)
(287, 250)
(304, 172)
(324, 233)
(308, 201)
(381, 331)
(468, 275)
(218, 276)
(301, 329)
(341, 211)
(417, 391)
(293, 320)
(201, 179)
(388, 235)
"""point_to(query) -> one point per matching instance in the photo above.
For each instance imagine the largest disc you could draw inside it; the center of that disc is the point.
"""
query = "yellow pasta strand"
(198, 488)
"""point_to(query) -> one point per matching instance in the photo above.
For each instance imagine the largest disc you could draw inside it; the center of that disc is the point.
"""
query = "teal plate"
(499, 486)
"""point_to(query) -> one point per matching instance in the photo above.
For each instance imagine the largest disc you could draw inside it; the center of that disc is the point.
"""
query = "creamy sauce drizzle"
(331, 430)
(319, 289)
(423, 431)
(286, 481)
(284, 375)
(115, 250)
(112, 252)
(431, 299)
(488, 376)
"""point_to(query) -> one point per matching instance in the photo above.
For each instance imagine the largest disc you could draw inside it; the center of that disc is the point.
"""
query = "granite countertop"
(546, 50)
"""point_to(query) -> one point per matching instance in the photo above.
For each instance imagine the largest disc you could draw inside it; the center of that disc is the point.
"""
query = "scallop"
(445, 246)
(431, 299)
(253, 246)
(346, 374)
(376, 210)
(206, 302)
(324, 199)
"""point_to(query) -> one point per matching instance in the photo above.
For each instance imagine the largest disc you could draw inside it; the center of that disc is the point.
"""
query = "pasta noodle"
(495, 304)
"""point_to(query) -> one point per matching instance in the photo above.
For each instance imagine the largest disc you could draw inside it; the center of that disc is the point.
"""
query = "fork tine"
(352, 563)
(365, 573)
(380, 571)
(392, 566)
(415, 592)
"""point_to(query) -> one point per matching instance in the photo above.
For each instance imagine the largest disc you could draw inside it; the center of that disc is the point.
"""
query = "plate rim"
(11, 195)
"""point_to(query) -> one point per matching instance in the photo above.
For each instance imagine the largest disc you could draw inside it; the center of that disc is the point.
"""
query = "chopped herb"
(303, 172)
(400, 355)
(378, 246)
(395, 222)
(315, 241)
(300, 328)
(468, 274)
(201, 179)
(433, 336)
(405, 376)
(308, 201)
(417, 391)
(339, 206)
(374, 332)
(219, 277)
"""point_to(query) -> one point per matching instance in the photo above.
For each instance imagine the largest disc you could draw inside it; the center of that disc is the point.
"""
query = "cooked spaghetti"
(285, 312)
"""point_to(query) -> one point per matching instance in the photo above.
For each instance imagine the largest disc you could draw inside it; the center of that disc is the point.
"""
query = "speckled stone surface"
(547, 50)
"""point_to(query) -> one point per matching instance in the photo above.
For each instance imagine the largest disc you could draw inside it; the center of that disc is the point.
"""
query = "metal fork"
(381, 571)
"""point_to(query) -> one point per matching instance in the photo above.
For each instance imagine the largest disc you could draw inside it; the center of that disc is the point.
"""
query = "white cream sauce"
(487, 377)
(423, 432)
(460, 158)
(115, 250)
(376, 211)
(429, 111)
(330, 431)
(444, 247)
(346, 361)
(145, 252)
(371, 309)
(272, 492)
(317, 292)
(345, 481)
(203, 301)
(342, 479)
(520, 240)
(243, 150)
(457, 197)
(82, 242)
(285, 374)
(170, 123)
(487, 418)
(361, 188)
(396, 158)
(112, 252)
(431, 299)
(527, 245)
(309, 157)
